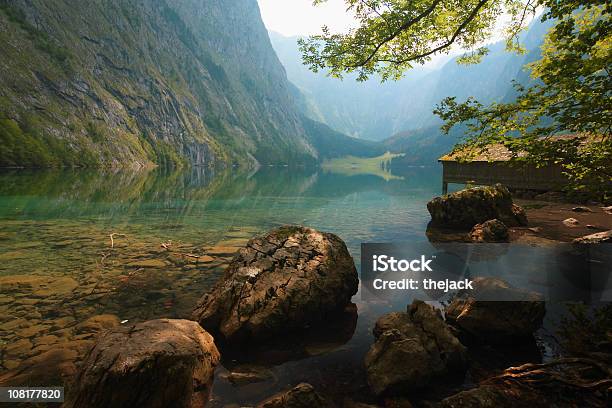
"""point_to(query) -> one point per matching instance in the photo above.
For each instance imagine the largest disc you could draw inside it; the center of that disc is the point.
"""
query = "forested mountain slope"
(135, 82)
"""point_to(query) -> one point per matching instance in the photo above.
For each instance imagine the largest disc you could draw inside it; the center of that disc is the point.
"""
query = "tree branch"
(450, 42)
(397, 32)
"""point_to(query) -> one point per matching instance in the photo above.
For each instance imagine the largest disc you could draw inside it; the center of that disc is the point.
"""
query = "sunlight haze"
(300, 17)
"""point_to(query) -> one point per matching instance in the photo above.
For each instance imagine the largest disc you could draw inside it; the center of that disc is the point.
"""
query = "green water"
(172, 235)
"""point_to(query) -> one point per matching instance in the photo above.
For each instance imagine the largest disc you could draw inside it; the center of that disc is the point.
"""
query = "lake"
(132, 246)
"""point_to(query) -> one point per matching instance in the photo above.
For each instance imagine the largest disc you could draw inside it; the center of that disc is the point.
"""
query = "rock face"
(472, 206)
(412, 350)
(287, 279)
(301, 396)
(158, 363)
(183, 85)
(506, 315)
(598, 238)
(489, 231)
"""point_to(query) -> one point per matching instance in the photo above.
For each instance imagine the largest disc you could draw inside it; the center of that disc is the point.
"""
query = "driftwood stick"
(112, 236)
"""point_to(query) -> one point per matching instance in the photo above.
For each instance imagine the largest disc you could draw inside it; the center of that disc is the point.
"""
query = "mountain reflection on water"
(82, 250)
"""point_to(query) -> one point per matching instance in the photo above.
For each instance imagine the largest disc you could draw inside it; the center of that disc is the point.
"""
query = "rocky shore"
(284, 296)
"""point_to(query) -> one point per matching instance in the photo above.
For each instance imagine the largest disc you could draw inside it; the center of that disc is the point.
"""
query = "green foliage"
(95, 132)
(330, 143)
(20, 149)
(572, 94)
(24, 146)
(395, 34)
(41, 40)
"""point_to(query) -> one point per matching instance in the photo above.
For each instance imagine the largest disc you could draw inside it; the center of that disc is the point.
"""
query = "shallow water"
(148, 244)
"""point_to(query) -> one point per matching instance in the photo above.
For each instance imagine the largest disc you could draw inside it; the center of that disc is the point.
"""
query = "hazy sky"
(300, 17)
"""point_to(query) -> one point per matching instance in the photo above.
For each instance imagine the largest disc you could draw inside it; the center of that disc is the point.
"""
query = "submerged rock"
(53, 366)
(301, 396)
(505, 315)
(472, 206)
(158, 363)
(97, 324)
(490, 231)
(287, 279)
(598, 238)
(249, 374)
(412, 350)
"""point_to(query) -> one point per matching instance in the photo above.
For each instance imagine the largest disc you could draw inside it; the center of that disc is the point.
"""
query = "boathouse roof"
(492, 153)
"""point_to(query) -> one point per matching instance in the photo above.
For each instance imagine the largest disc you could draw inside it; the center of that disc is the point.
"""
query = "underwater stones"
(489, 231)
(62, 322)
(284, 280)
(57, 285)
(466, 208)
(157, 363)
(13, 324)
(598, 238)
(412, 350)
(505, 315)
(97, 324)
(301, 396)
(249, 374)
(33, 330)
(4, 299)
(147, 263)
(205, 259)
(50, 367)
(18, 348)
(222, 251)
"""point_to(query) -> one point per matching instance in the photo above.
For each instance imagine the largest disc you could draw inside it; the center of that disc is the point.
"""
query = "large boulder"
(496, 312)
(158, 363)
(412, 350)
(490, 231)
(301, 396)
(284, 280)
(472, 206)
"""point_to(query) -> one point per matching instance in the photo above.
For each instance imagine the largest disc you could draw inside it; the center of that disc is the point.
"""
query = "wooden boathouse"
(492, 165)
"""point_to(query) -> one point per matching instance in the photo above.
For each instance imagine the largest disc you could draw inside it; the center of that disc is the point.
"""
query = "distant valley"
(400, 113)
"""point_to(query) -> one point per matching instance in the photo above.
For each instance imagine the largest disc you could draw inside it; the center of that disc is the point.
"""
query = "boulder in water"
(496, 312)
(490, 231)
(412, 350)
(285, 280)
(466, 208)
(158, 363)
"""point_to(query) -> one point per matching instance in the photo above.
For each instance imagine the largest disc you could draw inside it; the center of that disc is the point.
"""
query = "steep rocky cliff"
(134, 82)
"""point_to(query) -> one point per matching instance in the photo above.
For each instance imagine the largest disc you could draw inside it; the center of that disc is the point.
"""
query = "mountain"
(489, 81)
(376, 111)
(359, 109)
(136, 82)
